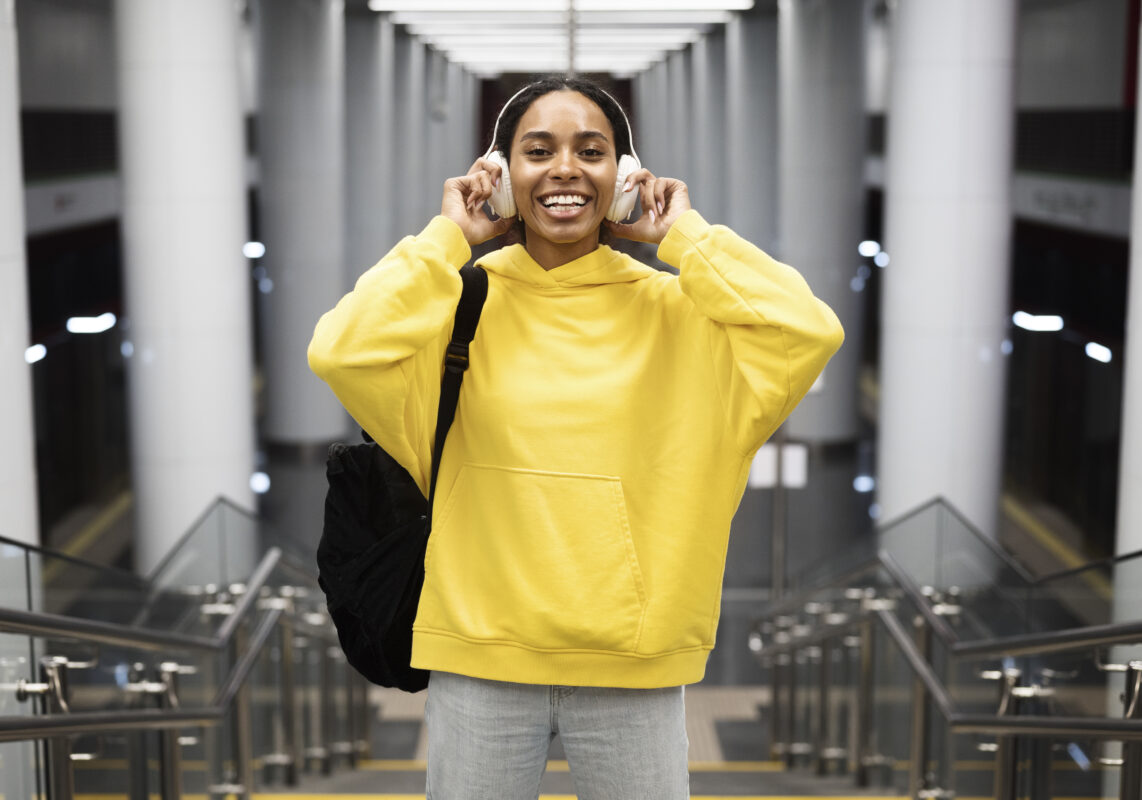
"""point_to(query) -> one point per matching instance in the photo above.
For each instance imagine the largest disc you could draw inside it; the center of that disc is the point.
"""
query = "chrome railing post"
(1130, 781)
(352, 718)
(862, 747)
(821, 732)
(780, 698)
(243, 724)
(170, 769)
(289, 701)
(61, 778)
(920, 745)
(365, 718)
(1006, 752)
(327, 710)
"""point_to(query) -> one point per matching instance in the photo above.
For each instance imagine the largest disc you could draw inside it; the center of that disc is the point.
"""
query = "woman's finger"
(490, 167)
(660, 194)
(639, 176)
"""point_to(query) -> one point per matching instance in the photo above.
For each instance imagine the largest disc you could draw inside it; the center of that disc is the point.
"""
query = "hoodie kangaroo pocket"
(540, 559)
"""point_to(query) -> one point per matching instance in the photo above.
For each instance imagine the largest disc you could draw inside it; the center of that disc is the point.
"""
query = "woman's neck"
(550, 255)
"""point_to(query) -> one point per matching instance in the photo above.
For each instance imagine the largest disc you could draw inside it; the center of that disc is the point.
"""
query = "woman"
(601, 446)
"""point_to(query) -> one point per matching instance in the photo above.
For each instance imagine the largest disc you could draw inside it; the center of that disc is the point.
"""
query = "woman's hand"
(464, 198)
(663, 201)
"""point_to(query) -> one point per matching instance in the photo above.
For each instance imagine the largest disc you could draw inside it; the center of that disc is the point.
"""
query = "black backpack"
(371, 556)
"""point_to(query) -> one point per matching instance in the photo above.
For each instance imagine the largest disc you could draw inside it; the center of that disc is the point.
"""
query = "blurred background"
(186, 185)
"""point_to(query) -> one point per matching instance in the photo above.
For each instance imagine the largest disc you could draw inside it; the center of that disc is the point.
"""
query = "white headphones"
(503, 202)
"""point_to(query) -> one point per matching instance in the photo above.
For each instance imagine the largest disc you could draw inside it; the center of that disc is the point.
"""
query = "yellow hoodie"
(601, 444)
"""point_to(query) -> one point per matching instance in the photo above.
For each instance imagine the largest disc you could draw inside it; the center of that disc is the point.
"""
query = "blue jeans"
(488, 740)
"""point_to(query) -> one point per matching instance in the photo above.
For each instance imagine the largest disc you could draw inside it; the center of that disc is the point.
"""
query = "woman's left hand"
(663, 201)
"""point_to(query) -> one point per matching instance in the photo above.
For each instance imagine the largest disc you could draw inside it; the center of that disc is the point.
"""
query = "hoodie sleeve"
(769, 336)
(382, 346)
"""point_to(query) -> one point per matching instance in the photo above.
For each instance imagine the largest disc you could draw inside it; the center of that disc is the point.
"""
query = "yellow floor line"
(257, 796)
(1049, 541)
(77, 545)
(261, 796)
(413, 765)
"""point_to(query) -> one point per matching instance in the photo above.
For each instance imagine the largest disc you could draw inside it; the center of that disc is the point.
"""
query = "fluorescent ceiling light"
(35, 353)
(533, 34)
(554, 65)
(498, 46)
(103, 322)
(1098, 352)
(501, 19)
(1037, 322)
(559, 6)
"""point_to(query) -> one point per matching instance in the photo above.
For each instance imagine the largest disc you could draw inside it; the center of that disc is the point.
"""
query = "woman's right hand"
(464, 198)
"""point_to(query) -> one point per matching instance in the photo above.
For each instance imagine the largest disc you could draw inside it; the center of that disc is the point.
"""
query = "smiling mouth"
(564, 202)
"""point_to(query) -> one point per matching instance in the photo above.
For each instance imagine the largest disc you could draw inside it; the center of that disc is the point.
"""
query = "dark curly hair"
(518, 106)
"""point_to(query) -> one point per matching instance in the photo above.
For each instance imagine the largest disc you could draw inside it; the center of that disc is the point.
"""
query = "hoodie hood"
(601, 266)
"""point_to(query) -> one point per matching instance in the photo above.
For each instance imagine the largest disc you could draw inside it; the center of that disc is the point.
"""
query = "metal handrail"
(1025, 644)
(968, 525)
(18, 728)
(797, 601)
(1015, 645)
(1037, 726)
(896, 572)
(34, 623)
(220, 500)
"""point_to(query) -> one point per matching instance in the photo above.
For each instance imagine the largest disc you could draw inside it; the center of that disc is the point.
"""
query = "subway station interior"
(930, 587)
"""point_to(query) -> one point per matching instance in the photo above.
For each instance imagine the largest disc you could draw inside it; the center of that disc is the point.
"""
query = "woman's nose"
(565, 165)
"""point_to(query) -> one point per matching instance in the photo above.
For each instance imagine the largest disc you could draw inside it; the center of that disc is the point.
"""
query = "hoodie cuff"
(683, 234)
(448, 235)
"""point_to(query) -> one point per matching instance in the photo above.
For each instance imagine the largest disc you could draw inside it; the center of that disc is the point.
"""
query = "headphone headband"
(609, 96)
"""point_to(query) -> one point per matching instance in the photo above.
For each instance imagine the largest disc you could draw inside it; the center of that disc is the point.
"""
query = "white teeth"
(564, 200)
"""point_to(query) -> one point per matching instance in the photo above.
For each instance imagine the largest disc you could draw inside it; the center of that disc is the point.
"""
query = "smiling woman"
(603, 438)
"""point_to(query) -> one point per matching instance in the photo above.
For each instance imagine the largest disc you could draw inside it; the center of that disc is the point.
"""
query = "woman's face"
(563, 167)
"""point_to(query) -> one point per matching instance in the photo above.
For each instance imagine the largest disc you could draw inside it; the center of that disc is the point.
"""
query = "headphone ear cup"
(502, 201)
(623, 202)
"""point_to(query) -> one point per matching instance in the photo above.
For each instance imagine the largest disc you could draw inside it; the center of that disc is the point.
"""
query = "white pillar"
(708, 146)
(411, 111)
(301, 144)
(187, 282)
(821, 135)
(18, 466)
(679, 133)
(1129, 527)
(371, 154)
(751, 127)
(459, 150)
(18, 469)
(948, 221)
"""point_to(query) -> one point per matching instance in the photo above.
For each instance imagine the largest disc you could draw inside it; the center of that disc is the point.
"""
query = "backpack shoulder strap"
(456, 361)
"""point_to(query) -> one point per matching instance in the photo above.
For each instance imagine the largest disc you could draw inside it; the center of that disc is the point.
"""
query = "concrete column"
(412, 112)
(460, 150)
(1129, 528)
(678, 134)
(664, 108)
(708, 147)
(187, 282)
(821, 170)
(18, 466)
(301, 145)
(371, 185)
(751, 127)
(948, 221)
(643, 123)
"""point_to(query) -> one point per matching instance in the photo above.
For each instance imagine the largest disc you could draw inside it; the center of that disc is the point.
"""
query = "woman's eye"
(593, 152)
(535, 151)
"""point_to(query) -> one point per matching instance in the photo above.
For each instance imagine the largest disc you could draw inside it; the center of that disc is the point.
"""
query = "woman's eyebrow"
(548, 135)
